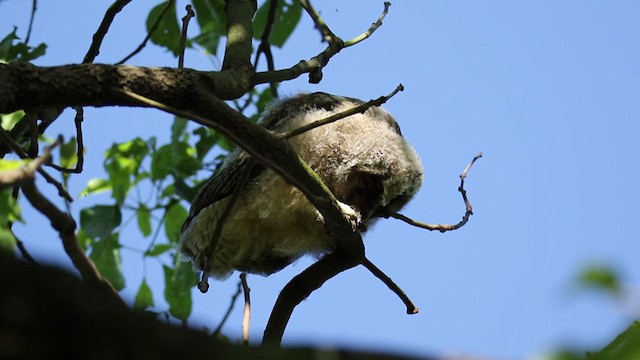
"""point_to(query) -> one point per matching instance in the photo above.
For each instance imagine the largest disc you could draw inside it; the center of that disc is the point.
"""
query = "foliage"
(170, 173)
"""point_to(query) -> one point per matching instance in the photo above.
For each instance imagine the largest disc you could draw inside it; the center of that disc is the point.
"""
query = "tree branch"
(66, 226)
(299, 288)
(411, 308)
(442, 227)
(153, 29)
(111, 13)
(6, 138)
(314, 65)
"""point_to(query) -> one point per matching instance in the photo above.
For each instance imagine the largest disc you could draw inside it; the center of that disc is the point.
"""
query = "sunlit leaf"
(99, 221)
(122, 162)
(144, 297)
(105, 254)
(212, 19)
(95, 186)
(12, 164)
(8, 121)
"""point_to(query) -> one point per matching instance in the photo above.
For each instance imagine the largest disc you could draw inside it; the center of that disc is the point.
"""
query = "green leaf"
(168, 32)
(206, 142)
(600, 278)
(100, 220)
(288, 15)
(159, 249)
(177, 159)
(174, 218)
(177, 290)
(105, 254)
(178, 128)
(122, 162)
(12, 164)
(210, 41)
(20, 51)
(95, 186)
(144, 297)
(143, 215)
(212, 19)
(9, 208)
(7, 239)
(83, 239)
(8, 121)
(185, 191)
(68, 154)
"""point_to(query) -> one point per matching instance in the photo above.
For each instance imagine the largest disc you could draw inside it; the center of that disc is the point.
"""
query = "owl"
(248, 218)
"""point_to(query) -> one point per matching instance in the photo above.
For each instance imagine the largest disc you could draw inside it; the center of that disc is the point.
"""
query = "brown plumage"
(363, 159)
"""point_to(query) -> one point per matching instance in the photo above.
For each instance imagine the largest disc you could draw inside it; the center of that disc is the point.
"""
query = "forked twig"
(80, 145)
(442, 227)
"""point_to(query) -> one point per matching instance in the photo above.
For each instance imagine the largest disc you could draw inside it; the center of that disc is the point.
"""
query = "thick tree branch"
(28, 86)
(299, 288)
(66, 226)
(239, 48)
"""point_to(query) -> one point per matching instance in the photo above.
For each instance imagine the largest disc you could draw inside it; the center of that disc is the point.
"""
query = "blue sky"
(548, 90)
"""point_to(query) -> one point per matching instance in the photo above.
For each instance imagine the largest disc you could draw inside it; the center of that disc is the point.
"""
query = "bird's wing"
(223, 183)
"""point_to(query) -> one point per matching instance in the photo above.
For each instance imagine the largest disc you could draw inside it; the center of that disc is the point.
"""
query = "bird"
(248, 218)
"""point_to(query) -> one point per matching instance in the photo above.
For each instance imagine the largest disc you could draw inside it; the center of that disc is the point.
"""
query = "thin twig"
(80, 145)
(183, 34)
(34, 7)
(98, 37)
(246, 313)
(234, 298)
(341, 115)
(325, 32)
(265, 45)
(372, 29)
(20, 152)
(411, 308)
(442, 227)
(23, 251)
(152, 30)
